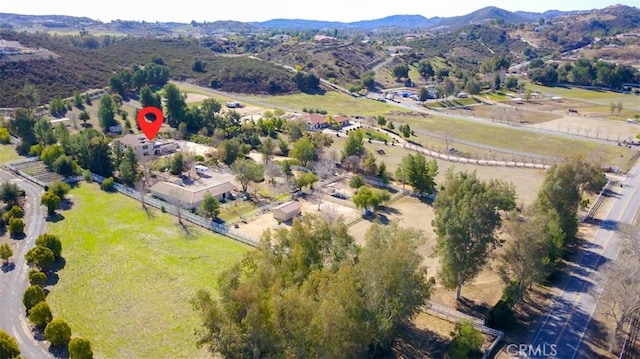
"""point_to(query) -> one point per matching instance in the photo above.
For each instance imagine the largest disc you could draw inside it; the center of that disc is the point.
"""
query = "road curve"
(13, 284)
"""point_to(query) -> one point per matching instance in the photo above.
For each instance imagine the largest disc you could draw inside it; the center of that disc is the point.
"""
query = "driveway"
(13, 283)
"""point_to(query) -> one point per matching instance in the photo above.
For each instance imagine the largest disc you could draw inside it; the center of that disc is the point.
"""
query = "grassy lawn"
(8, 154)
(233, 210)
(519, 140)
(128, 277)
(375, 135)
(334, 103)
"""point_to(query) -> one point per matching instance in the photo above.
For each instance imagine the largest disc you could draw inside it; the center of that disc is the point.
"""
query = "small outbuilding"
(286, 211)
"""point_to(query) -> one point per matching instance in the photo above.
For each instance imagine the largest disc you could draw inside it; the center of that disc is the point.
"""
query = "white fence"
(13, 167)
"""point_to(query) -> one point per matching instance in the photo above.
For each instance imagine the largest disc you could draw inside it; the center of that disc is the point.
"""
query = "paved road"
(573, 308)
(13, 283)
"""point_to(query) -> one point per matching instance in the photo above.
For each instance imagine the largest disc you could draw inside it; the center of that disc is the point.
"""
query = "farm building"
(191, 196)
(286, 211)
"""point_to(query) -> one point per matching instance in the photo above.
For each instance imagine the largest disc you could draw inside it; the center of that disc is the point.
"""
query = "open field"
(128, 277)
(518, 140)
(334, 103)
(601, 97)
(8, 154)
(508, 113)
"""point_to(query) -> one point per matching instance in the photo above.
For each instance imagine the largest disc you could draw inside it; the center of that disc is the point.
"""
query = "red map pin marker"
(150, 129)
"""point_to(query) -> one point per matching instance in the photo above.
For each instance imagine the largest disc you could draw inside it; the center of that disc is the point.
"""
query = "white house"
(142, 147)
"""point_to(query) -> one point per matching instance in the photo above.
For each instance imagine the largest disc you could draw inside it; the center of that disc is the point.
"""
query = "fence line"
(597, 203)
(455, 316)
(12, 166)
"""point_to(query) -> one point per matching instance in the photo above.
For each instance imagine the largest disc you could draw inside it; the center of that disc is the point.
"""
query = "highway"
(567, 321)
(13, 283)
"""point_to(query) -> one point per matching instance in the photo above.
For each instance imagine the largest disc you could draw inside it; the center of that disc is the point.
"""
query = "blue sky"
(259, 10)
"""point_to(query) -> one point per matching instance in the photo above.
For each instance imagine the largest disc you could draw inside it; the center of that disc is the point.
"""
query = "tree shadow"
(18, 236)
(58, 265)
(66, 204)
(52, 278)
(389, 210)
(149, 212)
(186, 231)
(8, 267)
(470, 307)
(415, 342)
(59, 351)
(55, 218)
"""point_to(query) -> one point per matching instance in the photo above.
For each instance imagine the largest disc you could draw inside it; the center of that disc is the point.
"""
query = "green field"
(128, 277)
(8, 154)
(334, 103)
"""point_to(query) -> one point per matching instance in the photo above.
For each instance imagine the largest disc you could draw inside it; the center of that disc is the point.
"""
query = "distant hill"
(394, 21)
(483, 15)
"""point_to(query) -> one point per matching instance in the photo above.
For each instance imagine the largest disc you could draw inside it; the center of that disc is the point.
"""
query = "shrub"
(40, 315)
(37, 277)
(80, 348)
(5, 138)
(33, 295)
(16, 226)
(107, 184)
(87, 175)
(467, 341)
(58, 332)
(15, 212)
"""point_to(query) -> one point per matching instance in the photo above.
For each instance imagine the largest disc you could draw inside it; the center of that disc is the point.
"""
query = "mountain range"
(406, 22)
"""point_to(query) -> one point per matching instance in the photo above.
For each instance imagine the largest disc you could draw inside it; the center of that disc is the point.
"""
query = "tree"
(357, 181)
(44, 132)
(58, 332)
(612, 107)
(198, 65)
(247, 171)
(8, 346)
(60, 189)
(560, 192)
(84, 117)
(267, 148)
(40, 315)
(418, 172)
(10, 193)
(80, 348)
(425, 69)
(306, 179)
(619, 298)
(619, 107)
(353, 146)
(22, 126)
(148, 98)
(40, 257)
(466, 340)
(33, 295)
(405, 130)
(50, 241)
(210, 206)
(129, 167)
(466, 218)
(175, 105)
(367, 198)
(526, 260)
(16, 227)
(394, 282)
(14, 212)
(303, 150)
(106, 112)
(57, 107)
(400, 71)
(449, 87)
(51, 201)
(511, 82)
(176, 166)
(77, 99)
(309, 292)
(37, 277)
(5, 252)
